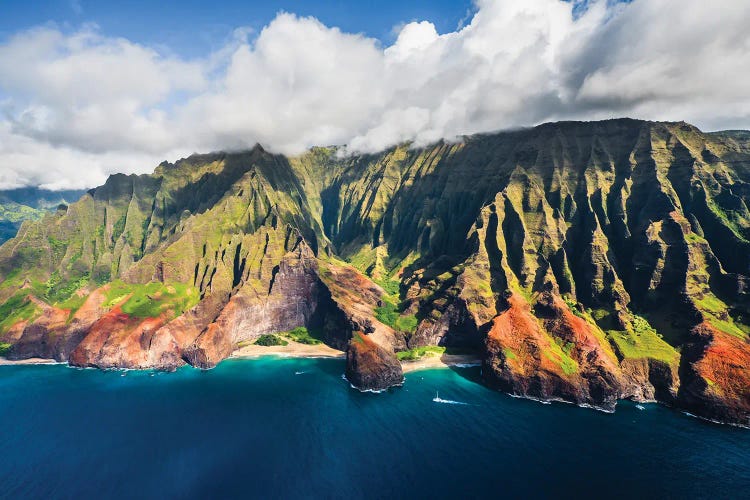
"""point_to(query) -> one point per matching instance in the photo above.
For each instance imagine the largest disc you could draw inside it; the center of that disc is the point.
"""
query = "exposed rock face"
(650, 380)
(54, 334)
(370, 366)
(292, 299)
(716, 376)
(117, 340)
(586, 261)
(557, 357)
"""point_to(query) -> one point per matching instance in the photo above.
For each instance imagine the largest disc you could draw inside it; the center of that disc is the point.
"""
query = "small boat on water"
(438, 399)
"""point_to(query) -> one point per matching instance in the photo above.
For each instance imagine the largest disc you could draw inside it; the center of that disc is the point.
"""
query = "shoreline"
(443, 361)
(303, 351)
(292, 350)
(29, 361)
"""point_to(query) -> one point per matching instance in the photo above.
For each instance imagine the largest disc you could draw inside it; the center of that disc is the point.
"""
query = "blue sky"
(194, 27)
(92, 88)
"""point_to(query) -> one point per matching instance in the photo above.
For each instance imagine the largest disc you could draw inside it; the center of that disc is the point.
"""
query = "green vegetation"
(641, 326)
(728, 326)
(642, 341)
(718, 315)
(381, 268)
(358, 338)
(57, 290)
(420, 352)
(568, 365)
(12, 215)
(118, 227)
(270, 339)
(364, 259)
(17, 308)
(4, 348)
(58, 247)
(567, 347)
(691, 237)
(391, 286)
(726, 218)
(74, 303)
(509, 354)
(711, 303)
(303, 336)
(573, 306)
(558, 355)
(430, 350)
(152, 299)
(17, 213)
(388, 314)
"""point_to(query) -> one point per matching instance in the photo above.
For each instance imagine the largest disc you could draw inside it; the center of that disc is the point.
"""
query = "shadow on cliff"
(471, 371)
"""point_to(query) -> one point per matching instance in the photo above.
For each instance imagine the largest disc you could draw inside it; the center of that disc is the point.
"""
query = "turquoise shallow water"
(292, 428)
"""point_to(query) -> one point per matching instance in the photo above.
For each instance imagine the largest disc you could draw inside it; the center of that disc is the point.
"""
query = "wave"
(532, 398)
(302, 372)
(373, 391)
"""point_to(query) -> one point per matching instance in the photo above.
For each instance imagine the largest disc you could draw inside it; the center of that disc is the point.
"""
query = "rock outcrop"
(370, 366)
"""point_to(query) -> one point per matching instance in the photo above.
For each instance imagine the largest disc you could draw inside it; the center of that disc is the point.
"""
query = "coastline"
(297, 350)
(292, 350)
(443, 361)
(29, 361)
(305, 351)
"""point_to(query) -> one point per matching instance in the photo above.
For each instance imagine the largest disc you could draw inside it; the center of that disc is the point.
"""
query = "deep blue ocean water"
(292, 428)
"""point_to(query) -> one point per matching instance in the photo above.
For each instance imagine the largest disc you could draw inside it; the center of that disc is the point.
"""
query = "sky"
(90, 88)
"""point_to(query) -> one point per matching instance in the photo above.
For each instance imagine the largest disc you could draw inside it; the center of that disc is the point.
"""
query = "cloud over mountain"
(78, 106)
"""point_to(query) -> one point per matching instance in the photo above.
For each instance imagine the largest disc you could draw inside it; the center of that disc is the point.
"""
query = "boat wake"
(438, 399)
(301, 373)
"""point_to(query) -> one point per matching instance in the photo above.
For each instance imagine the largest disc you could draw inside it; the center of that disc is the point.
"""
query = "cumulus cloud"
(76, 107)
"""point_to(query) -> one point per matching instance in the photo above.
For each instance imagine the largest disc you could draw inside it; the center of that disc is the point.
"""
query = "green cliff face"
(584, 261)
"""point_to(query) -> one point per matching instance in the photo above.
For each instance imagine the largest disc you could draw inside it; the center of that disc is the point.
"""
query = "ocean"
(293, 428)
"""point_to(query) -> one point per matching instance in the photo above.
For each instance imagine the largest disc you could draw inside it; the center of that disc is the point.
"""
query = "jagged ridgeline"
(584, 261)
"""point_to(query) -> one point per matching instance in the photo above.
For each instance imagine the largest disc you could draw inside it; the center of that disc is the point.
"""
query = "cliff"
(587, 262)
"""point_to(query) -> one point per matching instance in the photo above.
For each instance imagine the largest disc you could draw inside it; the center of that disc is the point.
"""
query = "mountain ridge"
(585, 261)
(20, 204)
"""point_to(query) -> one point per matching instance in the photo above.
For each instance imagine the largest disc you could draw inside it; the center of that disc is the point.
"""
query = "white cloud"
(78, 106)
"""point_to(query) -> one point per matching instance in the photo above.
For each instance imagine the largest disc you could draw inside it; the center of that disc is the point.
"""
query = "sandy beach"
(292, 350)
(443, 361)
(30, 361)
